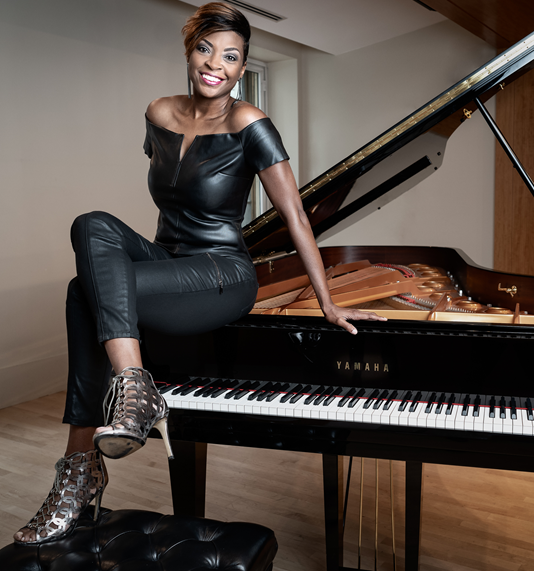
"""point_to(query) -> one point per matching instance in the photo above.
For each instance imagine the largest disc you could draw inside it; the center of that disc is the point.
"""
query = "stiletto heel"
(163, 427)
(137, 407)
(80, 477)
(98, 501)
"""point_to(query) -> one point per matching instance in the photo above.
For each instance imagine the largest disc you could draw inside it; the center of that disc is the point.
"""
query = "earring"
(239, 92)
(188, 83)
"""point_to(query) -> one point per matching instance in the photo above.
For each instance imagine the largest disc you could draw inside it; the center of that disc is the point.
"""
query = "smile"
(211, 79)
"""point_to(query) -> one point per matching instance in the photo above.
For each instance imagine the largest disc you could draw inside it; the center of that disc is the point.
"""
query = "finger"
(348, 326)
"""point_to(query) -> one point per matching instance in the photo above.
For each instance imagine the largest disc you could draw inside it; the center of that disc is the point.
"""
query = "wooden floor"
(473, 519)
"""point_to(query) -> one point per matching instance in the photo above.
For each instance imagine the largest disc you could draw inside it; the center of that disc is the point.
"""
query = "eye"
(202, 49)
(231, 57)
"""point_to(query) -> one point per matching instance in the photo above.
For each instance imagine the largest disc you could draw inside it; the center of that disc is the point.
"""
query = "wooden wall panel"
(514, 204)
(501, 23)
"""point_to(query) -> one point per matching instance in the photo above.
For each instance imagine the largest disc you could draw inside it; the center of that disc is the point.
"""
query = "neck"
(207, 109)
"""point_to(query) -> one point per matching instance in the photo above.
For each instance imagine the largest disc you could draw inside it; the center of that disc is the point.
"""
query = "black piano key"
(166, 389)
(291, 393)
(200, 392)
(300, 394)
(476, 408)
(224, 387)
(243, 385)
(466, 403)
(186, 390)
(327, 393)
(502, 406)
(390, 400)
(430, 403)
(263, 395)
(528, 406)
(262, 391)
(407, 396)
(441, 400)
(356, 398)
(218, 392)
(381, 399)
(242, 394)
(319, 391)
(277, 391)
(513, 408)
(492, 407)
(450, 403)
(370, 399)
(351, 392)
(415, 402)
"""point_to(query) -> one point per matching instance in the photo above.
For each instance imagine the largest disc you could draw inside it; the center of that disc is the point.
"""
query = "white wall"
(348, 100)
(76, 78)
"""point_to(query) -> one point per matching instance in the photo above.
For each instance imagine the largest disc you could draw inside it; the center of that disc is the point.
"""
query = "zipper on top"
(219, 278)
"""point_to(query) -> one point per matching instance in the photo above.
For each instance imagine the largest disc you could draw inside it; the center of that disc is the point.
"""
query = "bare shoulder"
(243, 114)
(162, 111)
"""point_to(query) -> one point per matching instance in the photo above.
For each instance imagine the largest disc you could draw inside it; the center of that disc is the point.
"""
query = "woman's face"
(216, 64)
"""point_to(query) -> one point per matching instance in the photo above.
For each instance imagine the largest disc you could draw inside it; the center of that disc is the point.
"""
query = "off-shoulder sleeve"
(147, 145)
(262, 144)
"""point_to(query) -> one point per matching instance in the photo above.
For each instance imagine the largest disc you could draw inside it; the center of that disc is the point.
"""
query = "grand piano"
(445, 380)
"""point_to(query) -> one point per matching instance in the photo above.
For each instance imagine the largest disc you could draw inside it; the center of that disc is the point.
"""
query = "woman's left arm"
(280, 185)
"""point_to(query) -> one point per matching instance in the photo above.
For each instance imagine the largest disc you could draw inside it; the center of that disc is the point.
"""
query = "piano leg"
(333, 510)
(188, 478)
(414, 505)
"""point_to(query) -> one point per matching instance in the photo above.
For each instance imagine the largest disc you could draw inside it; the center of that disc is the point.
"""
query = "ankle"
(80, 439)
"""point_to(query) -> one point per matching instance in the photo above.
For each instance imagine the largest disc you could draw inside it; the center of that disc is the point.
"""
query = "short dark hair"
(215, 17)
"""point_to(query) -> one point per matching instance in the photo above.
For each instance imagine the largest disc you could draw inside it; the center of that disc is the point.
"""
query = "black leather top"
(202, 198)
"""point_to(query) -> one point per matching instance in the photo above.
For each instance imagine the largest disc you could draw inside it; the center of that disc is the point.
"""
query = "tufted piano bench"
(135, 540)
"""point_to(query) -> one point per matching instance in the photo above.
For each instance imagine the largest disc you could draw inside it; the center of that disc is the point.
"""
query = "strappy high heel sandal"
(80, 478)
(138, 407)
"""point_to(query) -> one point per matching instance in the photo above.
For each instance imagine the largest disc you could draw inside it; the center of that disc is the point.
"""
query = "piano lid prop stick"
(505, 145)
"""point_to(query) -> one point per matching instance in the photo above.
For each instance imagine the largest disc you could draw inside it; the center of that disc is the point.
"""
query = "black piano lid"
(408, 152)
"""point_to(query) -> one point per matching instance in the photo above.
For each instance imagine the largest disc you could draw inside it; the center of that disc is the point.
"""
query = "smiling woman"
(196, 276)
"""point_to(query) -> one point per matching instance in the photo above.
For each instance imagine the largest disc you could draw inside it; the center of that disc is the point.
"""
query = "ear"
(243, 69)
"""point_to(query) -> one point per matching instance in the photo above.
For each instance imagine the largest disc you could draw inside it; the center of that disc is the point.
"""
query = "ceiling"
(340, 26)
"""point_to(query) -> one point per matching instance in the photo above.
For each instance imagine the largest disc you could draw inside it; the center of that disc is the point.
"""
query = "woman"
(205, 149)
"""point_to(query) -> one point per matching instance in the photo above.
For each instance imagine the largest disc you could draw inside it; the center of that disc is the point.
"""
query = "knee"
(86, 225)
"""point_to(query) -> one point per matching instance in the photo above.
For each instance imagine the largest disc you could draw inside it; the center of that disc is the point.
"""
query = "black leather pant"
(126, 283)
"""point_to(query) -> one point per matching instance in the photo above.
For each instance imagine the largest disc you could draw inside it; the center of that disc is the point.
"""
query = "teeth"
(211, 77)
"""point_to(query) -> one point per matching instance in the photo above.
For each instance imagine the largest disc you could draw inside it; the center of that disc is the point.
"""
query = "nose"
(213, 62)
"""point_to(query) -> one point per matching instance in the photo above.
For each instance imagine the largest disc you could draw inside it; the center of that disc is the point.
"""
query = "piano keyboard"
(425, 409)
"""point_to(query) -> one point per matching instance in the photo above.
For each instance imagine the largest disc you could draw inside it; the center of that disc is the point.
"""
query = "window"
(254, 90)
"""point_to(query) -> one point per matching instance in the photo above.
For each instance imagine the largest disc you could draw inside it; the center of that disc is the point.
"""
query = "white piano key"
(413, 418)
(420, 417)
(405, 414)
(507, 423)
(394, 411)
(528, 425)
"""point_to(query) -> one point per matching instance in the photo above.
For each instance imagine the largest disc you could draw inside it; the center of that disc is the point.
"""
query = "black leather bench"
(135, 540)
